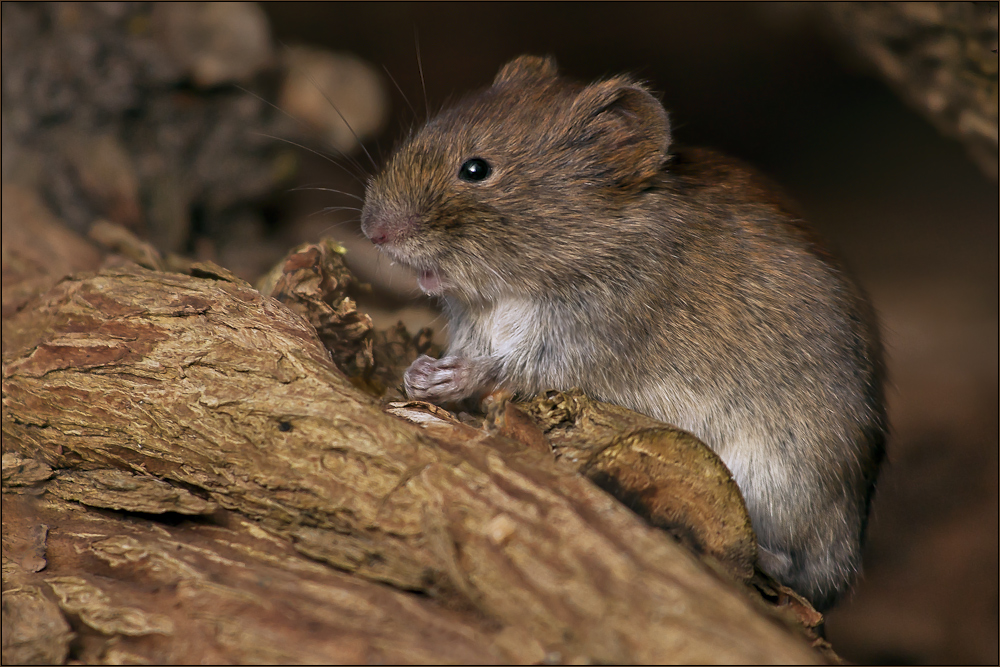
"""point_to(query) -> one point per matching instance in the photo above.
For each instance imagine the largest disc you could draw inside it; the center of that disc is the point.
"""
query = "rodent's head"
(494, 194)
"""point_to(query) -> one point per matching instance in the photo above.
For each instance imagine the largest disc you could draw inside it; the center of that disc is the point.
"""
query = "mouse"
(572, 244)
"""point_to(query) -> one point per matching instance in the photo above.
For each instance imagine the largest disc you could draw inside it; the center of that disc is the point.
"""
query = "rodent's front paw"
(439, 380)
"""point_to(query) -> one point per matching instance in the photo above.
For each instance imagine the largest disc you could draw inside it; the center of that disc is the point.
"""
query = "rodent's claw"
(438, 380)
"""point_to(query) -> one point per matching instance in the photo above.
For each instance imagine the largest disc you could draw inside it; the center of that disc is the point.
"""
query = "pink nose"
(382, 229)
(378, 236)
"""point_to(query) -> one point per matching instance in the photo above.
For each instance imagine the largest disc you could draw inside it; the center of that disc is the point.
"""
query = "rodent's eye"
(475, 169)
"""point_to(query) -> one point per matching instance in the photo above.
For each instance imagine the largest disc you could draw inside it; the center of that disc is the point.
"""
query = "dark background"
(780, 87)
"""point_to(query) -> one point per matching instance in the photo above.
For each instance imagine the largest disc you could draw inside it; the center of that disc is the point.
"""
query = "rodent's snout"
(383, 228)
(377, 234)
(370, 224)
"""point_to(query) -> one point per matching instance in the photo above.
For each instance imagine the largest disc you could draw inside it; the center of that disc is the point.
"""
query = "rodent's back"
(783, 350)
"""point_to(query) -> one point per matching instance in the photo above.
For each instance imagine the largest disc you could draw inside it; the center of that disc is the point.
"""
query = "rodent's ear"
(627, 124)
(527, 67)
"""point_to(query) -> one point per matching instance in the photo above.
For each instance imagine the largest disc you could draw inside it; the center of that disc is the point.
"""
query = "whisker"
(420, 68)
(405, 98)
(270, 104)
(331, 209)
(334, 190)
(301, 122)
(434, 322)
(334, 107)
(329, 158)
(336, 225)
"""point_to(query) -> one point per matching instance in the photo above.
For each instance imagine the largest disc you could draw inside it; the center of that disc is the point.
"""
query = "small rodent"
(573, 246)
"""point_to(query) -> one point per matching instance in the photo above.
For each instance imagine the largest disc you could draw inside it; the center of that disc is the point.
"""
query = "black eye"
(475, 169)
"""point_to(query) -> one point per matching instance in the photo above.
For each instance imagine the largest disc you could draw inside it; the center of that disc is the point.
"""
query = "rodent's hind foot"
(820, 579)
(439, 380)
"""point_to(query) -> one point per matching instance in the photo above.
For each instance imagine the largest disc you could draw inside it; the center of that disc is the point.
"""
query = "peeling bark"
(130, 381)
(216, 592)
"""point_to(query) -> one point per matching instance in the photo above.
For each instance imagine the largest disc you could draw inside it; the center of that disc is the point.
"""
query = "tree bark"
(321, 528)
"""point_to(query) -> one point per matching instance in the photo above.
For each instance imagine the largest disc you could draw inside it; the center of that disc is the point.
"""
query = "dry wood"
(203, 592)
(131, 381)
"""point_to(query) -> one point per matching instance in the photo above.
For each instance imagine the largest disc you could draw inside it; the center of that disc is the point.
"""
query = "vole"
(573, 246)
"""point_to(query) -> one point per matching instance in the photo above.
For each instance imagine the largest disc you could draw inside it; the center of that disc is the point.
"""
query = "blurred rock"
(127, 245)
(321, 86)
(107, 175)
(215, 42)
(101, 120)
(76, 60)
(247, 251)
(168, 208)
(98, 119)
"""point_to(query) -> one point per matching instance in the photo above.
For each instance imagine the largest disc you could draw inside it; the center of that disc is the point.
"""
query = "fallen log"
(153, 396)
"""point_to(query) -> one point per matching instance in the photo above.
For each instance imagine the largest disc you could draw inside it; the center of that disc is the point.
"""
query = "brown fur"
(675, 283)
